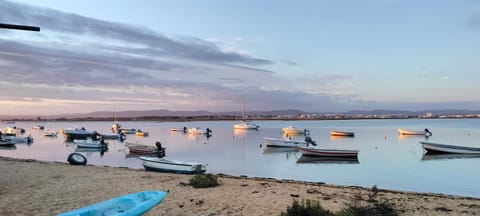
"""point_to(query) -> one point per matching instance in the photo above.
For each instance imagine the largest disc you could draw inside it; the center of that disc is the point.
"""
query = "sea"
(386, 159)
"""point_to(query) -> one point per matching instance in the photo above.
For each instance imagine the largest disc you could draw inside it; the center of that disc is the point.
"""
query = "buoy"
(77, 159)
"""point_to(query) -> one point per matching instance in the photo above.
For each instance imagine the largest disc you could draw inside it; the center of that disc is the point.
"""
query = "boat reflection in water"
(328, 160)
(430, 157)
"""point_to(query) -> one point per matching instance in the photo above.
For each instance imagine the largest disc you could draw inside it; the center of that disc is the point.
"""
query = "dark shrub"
(306, 208)
(204, 181)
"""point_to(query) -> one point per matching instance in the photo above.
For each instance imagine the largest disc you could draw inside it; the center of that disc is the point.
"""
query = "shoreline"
(33, 187)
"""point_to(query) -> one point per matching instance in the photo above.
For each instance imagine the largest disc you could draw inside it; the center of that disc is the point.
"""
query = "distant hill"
(288, 112)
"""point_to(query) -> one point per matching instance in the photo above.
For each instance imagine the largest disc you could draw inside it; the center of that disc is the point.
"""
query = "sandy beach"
(30, 187)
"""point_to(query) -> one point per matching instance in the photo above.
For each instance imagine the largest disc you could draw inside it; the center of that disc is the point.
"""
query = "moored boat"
(437, 148)
(50, 133)
(136, 148)
(19, 139)
(246, 125)
(77, 133)
(166, 165)
(282, 143)
(141, 133)
(130, 204)
(7, 143)
(294, 130)
(424, 132)
(198, 130)
(342, 133)
(311, 151)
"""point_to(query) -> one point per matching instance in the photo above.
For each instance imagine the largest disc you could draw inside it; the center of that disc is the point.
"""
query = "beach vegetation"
(306, 208)
(204, 181)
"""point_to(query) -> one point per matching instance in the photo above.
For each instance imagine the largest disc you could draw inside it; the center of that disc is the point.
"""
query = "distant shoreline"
(230, 118)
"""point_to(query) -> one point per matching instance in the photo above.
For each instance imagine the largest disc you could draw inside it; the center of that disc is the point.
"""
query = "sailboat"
(244, 124)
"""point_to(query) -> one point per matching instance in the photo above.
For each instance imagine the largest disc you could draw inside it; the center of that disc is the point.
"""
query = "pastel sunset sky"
(322, 55)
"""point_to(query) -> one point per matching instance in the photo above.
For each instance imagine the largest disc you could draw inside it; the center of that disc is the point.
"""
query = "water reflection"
(327, 160)
(428, 157)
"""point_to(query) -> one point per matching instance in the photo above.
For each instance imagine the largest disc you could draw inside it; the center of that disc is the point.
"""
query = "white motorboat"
(50, 134)
(15, 130)
(437, 148)
(198, 130)
(294, 130)
(283, 143)
(246, 125)
(311, 151)
(166, 165)
(424, 132)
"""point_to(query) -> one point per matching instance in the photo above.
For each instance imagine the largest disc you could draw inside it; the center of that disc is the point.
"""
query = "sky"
(318, 55)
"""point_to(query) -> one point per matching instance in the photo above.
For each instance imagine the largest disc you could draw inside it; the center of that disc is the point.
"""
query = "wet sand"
(30, 187)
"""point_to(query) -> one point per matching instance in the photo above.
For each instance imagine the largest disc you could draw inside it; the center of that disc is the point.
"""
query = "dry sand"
(29, 187)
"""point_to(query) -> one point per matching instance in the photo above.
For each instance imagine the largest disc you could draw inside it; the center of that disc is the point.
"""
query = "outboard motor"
(309, 140)
(161, 150)
(427, 132)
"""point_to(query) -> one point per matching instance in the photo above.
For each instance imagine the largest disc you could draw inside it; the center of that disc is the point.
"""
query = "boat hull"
(411, 132)
(131, 204)
(164, 165)
(437, 148)
(328, 152)
(342, 133)
(281, 143)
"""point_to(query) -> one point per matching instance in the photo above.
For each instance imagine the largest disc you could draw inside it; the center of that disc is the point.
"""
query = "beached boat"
(424, 132)
(7, 143)
(294, 130)
(50, 134)
(141, 133)
(131, 204)
(137, 148)
(282, 143)
(342, 133)
(311, 151)
(79, 133)
(165, 165)
(437, 148)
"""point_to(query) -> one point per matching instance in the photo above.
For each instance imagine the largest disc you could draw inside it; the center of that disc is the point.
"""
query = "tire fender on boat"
(77, 159)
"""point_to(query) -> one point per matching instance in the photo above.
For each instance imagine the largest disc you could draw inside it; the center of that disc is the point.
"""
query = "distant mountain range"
(288, 112)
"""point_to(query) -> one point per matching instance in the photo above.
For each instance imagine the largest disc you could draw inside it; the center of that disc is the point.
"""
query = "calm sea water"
(386, 159)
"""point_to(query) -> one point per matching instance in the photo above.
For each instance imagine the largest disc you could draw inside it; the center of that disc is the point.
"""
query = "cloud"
(288, 62)
(187, 47)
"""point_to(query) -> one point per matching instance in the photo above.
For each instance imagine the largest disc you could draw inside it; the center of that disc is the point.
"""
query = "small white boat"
(437, 148)
(425, 132)
(310, 151)
(51, 134)
(282, 143)
(165, 165)
(89, 143)
(130, 204)
(294, 130)
(246, 125)
(15, 130)
(342, 133)
(39, 127)
(198, 130)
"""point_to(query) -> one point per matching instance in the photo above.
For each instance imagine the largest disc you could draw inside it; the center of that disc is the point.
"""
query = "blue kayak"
(130, 204)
